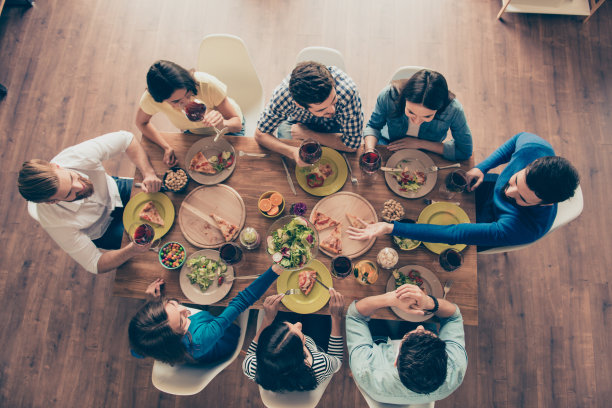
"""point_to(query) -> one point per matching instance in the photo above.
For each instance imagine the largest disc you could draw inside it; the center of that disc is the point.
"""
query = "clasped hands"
(411, 299)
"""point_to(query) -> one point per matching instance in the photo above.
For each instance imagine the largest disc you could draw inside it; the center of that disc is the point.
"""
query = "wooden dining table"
(251, 177)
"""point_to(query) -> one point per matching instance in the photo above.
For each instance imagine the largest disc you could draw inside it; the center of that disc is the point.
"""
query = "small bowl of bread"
(175, 180)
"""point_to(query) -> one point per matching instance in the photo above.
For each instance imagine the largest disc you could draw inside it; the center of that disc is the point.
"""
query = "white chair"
(323, 55)
(33, 210)
(188, 379)
(406, 72)
(374, 404)
(226, 57)
(295, 399)
(567, 211)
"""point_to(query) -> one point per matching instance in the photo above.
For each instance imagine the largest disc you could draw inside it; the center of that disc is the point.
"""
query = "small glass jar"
(249, 238)
(387, 258)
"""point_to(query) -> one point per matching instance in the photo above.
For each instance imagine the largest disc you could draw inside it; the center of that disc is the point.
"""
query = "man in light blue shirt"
(423, 367)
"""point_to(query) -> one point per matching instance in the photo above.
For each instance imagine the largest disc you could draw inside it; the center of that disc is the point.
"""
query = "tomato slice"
(314, 180)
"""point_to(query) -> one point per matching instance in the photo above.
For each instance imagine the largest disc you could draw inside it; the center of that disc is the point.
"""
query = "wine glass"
(141, 234)
(341, 266)
(455, 182)
(310, 151)
(231, 253)
(370, 162)
(195, 110)
(450, 259)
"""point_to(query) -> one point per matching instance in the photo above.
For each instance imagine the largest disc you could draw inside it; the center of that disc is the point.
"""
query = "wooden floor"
(76, 69)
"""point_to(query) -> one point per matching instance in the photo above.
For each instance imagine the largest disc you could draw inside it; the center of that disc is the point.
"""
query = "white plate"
(210, 148)
(418, 161)
(430, 282)
(214, 293)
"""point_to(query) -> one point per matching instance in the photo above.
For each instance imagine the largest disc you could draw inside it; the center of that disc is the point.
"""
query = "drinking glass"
(341, 266)
(230, 253)
(141, 233)
(195, 111)
(370, 162)
(455, 182)
(310, 151)
(450, 259)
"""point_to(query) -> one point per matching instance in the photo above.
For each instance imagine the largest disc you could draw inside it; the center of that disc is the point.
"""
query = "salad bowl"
(292, 241)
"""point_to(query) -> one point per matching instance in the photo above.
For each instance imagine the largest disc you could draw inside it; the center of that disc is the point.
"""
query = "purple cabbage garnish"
(310, 239)
(298, 208)
(285, 252)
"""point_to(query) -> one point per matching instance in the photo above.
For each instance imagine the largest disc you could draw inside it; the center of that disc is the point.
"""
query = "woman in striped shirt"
(287, 359)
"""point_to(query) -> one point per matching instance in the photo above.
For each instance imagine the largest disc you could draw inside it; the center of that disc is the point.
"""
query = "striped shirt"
(323, 364)
(348, 117)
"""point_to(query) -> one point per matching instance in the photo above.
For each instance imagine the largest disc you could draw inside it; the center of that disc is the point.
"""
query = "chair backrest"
(296, 399)
(33, 210)
(191, 379)
(375, 404)
(406, 72)
(323, 55)
(226, 57)
(567, 211)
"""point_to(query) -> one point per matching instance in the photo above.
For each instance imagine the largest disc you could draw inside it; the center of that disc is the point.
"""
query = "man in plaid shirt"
(315, 102)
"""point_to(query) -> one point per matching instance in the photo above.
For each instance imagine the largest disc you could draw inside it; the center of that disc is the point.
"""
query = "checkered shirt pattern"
(349, 115)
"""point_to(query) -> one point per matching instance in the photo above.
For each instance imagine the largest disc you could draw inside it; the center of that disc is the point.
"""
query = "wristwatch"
(436, 305)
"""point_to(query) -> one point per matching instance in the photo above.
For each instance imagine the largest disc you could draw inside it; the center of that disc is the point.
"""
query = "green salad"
(413, 277)
(406, 243)
(290, 245)
(204, 271)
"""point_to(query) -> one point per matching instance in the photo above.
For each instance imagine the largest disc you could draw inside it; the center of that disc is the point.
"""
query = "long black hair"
(425, 87)
(165, 77)
(280, 361)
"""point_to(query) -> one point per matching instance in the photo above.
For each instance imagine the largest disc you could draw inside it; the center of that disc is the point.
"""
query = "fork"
(241, 153)
(353, 178)
(291, 292)
(431, 169)
(447, 286)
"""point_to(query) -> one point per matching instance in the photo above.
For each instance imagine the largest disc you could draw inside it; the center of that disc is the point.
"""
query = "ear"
(300, 106)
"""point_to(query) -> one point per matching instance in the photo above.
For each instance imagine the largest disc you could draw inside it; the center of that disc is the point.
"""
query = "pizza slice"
(322, 221)
(333, 243)
(201, 164)
(149, 213)
(306, 280)
(355, 222)
(227, 229)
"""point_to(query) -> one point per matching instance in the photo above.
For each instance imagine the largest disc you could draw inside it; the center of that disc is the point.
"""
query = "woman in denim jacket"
(421, 107)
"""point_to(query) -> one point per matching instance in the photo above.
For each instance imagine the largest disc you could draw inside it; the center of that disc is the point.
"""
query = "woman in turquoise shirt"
(424, 108)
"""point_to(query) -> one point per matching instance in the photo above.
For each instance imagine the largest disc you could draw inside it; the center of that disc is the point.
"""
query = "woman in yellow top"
(170, 88)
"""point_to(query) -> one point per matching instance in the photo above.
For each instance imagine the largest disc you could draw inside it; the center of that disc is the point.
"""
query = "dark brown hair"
(422, 362)
(165, 77)
(425, 87)
(37, 180)
(310, 83)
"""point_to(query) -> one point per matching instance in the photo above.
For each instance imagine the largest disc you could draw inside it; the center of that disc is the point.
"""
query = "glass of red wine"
(231, 253)
(341, 266)
(141, 234)
(370, 162)
(456, 182)
(195, 111)
(310, 151)
(450, 259)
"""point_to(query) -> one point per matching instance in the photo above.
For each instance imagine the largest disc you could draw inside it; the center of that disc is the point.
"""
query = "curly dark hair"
(552, 178)
(165, 77)
(280, 361)
(425, 87)
(421, 363)
(310, 83)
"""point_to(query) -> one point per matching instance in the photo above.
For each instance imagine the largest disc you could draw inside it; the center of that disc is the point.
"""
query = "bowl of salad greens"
(292, 241)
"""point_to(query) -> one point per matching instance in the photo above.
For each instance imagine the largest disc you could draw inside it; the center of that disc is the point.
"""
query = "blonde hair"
(37, 180)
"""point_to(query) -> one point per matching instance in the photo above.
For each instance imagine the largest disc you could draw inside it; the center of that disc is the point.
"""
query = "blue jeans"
(114, 233)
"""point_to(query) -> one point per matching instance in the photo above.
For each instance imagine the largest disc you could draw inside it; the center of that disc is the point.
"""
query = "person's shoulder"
(206, 78)
(343, 80)
(526, 140)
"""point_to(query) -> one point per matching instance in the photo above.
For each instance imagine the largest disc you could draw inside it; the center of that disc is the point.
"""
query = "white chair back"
(567, 211)
(295, 399)
(323, 55)
(406, 72)
(226, 57)
(191, 379)
(374, 404)
(33, 210)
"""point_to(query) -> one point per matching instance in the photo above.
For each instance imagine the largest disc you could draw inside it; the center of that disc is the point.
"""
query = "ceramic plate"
(443, 213)
(162, 203)
(210, 148)
(334, 182)
(318, 296)
(414, 160)
(431, 284)
(214, 293)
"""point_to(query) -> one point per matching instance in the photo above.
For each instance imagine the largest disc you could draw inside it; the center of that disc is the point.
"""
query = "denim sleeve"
(458, 148)
(378, 119)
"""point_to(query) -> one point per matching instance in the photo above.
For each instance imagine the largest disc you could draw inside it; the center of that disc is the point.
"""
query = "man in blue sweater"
(515, 207)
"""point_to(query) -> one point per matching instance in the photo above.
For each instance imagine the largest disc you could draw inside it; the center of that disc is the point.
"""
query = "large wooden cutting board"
(197, 225)
(336, 206)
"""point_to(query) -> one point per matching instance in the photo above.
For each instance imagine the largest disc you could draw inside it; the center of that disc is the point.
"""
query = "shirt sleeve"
(277, 110)
(216, 90)
(378, 119)
(358, 337)
(351, 121)
(501, 155)
(148, 104)
(90, 154)
(459, 147)
(452, 333)
(78, 245)
(249, 365)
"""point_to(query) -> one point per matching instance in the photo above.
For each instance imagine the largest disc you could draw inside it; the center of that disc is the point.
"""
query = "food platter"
(197, 225)
(215, 292)
(443, 213)
(210, 148)
(416, 161)
(163, 205)
(331, 184)
(431, 285)
(316, 299)
(336, 206)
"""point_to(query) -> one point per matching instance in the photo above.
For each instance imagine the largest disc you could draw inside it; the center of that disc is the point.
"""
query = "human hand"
(370, 231)
(295, 155)
(154, 289)
(475, 176)
(336, 304)
(136, 249)
(271, 305)
(213, 118)
(413, 297)
(277, 269)
(405, 143)
(169, 157)
(151, 183)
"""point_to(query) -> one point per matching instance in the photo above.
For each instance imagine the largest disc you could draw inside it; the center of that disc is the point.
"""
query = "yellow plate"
(334, 182)
(163, 205)
(318, 296)
(443, 213)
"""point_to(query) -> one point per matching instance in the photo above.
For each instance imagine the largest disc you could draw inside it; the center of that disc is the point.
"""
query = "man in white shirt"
(80, 206)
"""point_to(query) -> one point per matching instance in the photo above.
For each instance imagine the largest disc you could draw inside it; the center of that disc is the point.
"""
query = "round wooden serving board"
(336, 206)
(197, 225)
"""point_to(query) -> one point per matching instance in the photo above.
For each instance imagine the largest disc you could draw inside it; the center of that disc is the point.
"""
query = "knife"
(288, 176)
(321, 283)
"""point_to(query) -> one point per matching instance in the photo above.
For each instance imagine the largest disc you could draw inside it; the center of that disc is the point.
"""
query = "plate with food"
(312, 296)
(292, 242)
(443, 213)
(419, 276)
(212, 215)
(332, 216)
(324, 177)
(154, 209)
(410, 181)
(210, 163)
(204, 278)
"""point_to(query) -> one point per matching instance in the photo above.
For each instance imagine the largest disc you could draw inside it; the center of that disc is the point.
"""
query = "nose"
(416, 120)
(420, 328)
